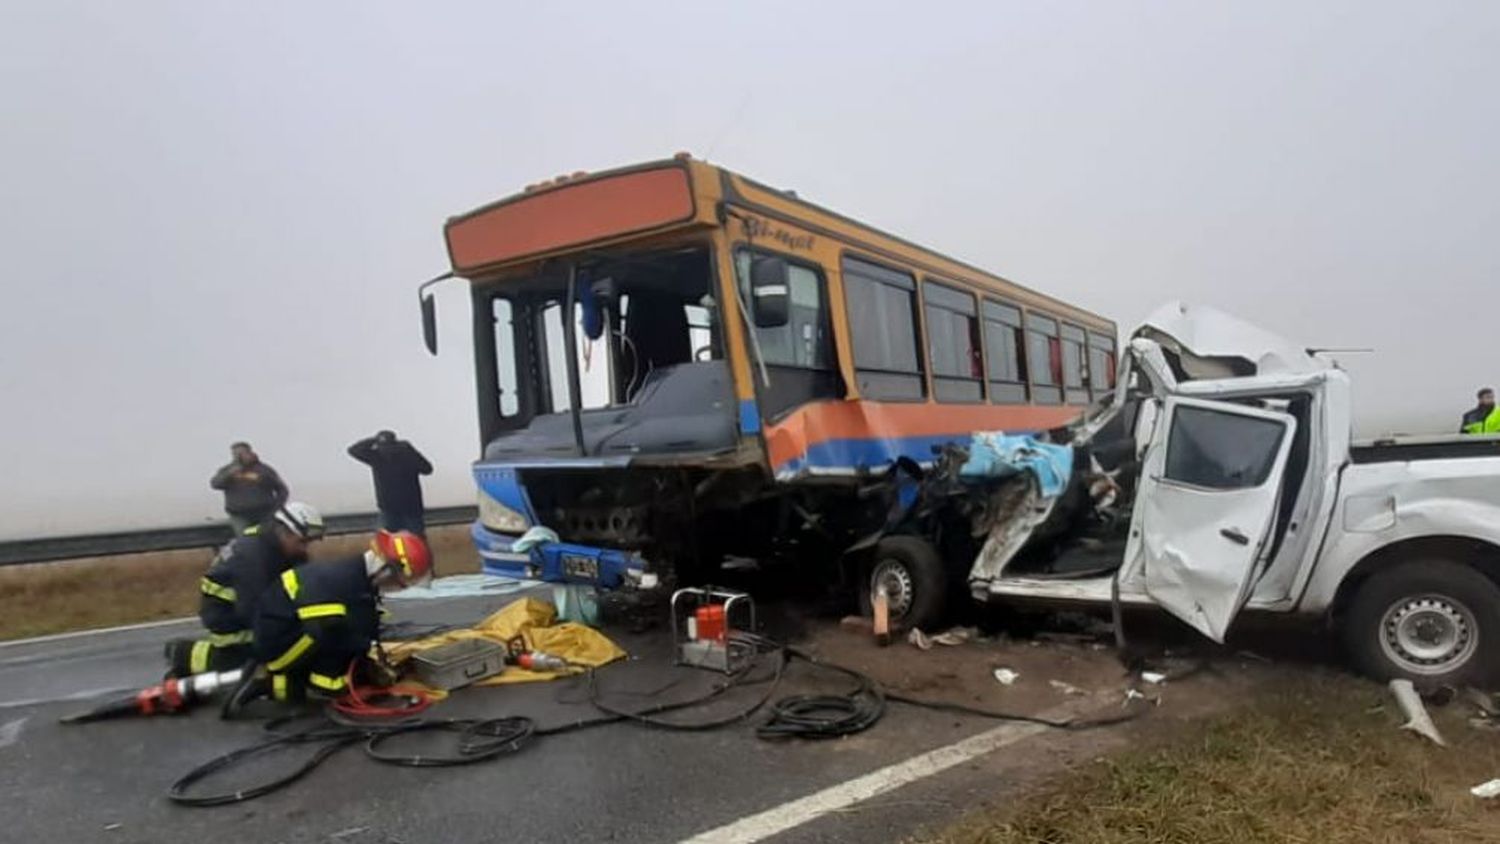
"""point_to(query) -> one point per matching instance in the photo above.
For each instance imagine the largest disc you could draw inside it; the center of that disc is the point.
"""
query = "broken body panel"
(1261, 501)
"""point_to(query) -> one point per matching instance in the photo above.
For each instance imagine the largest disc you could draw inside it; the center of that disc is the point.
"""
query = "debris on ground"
(1155, 678)
(857, 622)
(1006, 676)
(1417, 719)
(1066, 688)
(1486, 710)
(951, 638)
(1486, 790)
(956, 636)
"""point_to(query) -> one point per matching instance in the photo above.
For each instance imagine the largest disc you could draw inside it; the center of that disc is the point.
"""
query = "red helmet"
(406, 552)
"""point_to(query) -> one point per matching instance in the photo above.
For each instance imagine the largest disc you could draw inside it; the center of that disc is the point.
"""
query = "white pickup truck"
(1222, 477)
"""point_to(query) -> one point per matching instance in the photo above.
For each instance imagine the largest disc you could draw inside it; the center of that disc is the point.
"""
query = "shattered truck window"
(1217, 450)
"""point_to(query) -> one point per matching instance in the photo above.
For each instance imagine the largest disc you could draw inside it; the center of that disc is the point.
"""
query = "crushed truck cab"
(1222, 476)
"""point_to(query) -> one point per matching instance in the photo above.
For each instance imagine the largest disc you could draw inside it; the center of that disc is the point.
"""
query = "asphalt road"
(620, 783)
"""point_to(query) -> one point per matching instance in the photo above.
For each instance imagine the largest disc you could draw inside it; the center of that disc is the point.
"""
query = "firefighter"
(320, 618)
(236, 579)
(1484, 418)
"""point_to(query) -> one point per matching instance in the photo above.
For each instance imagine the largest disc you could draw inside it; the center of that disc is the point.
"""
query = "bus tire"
(1434, 622)
(911, 572)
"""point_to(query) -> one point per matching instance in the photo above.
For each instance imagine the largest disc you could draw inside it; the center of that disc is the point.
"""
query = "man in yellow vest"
(1484, 418)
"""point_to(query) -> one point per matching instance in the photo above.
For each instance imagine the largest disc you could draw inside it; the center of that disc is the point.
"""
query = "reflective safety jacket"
(1477, 421)
(317, 619)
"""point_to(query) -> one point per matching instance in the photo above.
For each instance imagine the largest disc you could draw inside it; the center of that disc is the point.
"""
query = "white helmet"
(301, 519)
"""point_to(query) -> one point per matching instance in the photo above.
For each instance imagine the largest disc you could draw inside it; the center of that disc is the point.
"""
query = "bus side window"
(1006, 352)
(953, 344)
(883, 322)
(804, 340)
(1101, 363)
(1044, 358)
(1074, 384)
(798, 353)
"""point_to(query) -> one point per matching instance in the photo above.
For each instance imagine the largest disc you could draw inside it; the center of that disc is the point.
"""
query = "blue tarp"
(996, 455)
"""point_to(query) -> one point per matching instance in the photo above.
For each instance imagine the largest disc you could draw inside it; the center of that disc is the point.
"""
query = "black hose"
(1055, 723)
(825, 716)
(333, 741)
(478, 740)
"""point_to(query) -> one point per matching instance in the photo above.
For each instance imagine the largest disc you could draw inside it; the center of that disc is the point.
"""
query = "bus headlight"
(497, 516)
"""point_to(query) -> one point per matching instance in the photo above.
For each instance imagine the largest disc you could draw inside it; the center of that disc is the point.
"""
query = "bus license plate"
(586, 568)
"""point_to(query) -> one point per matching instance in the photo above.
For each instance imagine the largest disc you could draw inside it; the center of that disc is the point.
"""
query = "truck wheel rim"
(1428, 634)
(893, 577)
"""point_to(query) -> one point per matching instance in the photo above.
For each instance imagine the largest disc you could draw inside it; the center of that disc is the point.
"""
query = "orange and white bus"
(746, 368)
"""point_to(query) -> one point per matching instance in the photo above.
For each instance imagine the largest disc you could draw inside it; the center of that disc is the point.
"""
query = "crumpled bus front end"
(512, 543)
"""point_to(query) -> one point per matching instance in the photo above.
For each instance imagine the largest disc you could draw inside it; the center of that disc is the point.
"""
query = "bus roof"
(592, 210)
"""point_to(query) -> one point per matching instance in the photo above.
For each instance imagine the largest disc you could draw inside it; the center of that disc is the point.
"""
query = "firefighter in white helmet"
(232, 587)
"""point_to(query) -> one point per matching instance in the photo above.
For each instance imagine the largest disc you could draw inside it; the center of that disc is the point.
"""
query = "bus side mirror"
(769, 300)
(429, 322)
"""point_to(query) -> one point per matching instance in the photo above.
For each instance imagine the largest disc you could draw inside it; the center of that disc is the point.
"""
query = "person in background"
(252, 490)
(397, 468)
(1483, 419)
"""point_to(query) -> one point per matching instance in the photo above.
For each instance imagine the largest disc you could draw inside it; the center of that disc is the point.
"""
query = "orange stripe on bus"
(860, 420)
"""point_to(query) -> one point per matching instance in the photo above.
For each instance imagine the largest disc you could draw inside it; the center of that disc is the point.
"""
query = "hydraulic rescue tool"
(176, 694)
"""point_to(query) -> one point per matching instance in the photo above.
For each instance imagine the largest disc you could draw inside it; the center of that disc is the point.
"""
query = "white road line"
(77, 634)
(777, 820)
(85, 694)
(11, 731)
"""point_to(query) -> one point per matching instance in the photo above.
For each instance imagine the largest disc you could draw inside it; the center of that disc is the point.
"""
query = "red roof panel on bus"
(570, 215)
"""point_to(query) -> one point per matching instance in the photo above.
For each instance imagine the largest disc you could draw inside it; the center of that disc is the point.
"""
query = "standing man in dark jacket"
(252, 490)
(397, 467)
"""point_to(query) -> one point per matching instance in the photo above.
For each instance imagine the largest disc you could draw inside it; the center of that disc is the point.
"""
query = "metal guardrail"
(50, 549)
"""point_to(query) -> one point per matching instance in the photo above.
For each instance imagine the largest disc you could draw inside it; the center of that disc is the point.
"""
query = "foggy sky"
(215, 214)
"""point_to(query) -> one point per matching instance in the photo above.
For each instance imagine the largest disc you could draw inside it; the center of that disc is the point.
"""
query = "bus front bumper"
(558, 562)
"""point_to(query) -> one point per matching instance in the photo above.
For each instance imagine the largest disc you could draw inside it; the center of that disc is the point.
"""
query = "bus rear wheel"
(910, 572)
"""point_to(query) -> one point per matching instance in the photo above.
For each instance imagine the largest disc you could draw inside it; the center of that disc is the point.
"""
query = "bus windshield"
(636, 317)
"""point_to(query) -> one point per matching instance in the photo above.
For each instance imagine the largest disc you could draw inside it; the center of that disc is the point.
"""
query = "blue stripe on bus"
(749, 417)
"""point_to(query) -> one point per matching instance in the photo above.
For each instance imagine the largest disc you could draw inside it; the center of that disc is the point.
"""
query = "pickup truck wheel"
(911, 572)
(1429, 621)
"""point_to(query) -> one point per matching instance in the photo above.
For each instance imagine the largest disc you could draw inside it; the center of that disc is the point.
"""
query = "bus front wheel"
(910, 572)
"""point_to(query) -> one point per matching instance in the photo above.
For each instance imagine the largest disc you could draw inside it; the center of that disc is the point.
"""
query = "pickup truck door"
(1206, 506)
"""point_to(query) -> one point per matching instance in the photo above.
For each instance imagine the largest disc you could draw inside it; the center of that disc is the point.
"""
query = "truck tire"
(911, 571)
(1434, 622)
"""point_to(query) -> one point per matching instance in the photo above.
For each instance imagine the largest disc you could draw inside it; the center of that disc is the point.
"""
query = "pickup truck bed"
(1394, 449)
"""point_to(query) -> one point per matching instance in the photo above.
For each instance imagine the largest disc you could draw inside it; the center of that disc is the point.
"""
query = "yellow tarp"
(532, 620)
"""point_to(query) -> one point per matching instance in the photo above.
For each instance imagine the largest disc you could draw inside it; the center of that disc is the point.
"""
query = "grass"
(1323, 762)
(94, 592)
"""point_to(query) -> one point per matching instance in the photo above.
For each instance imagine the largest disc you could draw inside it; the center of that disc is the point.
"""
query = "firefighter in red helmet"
(321, 618)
